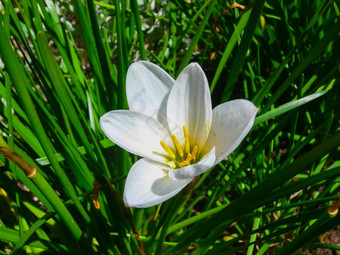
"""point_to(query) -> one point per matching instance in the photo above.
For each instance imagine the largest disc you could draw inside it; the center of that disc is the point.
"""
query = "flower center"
(180, 157)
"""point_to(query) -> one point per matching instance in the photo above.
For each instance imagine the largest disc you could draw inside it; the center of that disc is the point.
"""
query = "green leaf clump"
(63, 64)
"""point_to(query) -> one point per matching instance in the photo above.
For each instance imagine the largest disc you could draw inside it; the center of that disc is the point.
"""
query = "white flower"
(172, 126)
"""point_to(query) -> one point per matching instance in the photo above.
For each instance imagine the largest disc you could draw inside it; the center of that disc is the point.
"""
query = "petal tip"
(251, 105)
(126, 202)
(195, 65)
(135, 65)
(101, 121)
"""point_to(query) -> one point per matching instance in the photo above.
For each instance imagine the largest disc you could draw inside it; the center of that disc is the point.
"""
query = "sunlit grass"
(63, 65)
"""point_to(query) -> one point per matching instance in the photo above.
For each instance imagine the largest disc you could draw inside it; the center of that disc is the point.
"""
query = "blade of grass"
(307, 60)
(123, 161)
(85, 23)
(102, 53)
(45, 188)
(261, 94)
(31, 231)
(242, 205)
(186, 59)
(230, 46)
(323, 224)
(20, 81)
(243, 49)
(135, 10)
(60, 86)
(287, 107)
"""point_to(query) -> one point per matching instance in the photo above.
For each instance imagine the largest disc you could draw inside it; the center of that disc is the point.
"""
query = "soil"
(332, 237)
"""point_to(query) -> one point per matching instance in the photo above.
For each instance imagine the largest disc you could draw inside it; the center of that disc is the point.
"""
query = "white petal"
(191, 171)
(136, 133)
(189, 105)
(231, 123)
(148, 184)
(147, 86)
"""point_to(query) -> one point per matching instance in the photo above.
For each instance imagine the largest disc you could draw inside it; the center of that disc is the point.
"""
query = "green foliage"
(63, 65)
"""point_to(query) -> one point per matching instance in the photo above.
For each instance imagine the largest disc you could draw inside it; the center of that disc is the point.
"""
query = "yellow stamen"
(184, 163)
(180, 157)
(168, 150)
(177, 145)
(186, 137)
(172, 164)
(194, 151)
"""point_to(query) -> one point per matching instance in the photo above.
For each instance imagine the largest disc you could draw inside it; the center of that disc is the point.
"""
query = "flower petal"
(148, 184)
(147, 86)
(231, 123)
(191, 171)
(137, 133)
(189, 104)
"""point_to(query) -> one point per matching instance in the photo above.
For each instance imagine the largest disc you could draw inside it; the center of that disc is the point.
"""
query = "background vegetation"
(63, 65)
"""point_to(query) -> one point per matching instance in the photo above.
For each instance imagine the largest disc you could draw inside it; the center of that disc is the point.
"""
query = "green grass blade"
(242, 205)
(134, 8)
(287, 107)
(323, 224)
(315, 52)
(242, 50)
(230, 46)
(20, 81)
(188, 54)
(31, 231)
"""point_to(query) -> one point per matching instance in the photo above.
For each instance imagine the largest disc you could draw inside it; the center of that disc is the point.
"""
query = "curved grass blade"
(21, 83)
(242, 50)
(186, 59)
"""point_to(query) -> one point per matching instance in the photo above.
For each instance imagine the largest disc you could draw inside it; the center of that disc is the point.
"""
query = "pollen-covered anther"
(186, 138)
(180, 157)
(172, 164)
(184, 163)
(194, 152)
(178, 146)
(168, 150)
